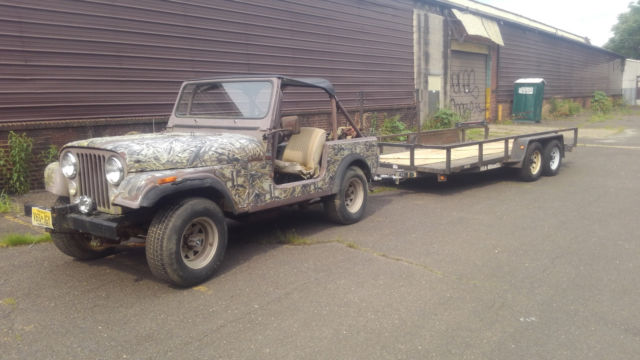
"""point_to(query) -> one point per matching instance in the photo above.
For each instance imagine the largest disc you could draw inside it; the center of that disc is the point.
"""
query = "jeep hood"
(163, 151)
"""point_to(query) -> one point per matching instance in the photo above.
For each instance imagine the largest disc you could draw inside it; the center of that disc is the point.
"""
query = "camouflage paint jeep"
(227, 151)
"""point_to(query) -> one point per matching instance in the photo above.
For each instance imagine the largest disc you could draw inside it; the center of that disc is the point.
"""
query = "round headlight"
(69, 165)
(114, 170)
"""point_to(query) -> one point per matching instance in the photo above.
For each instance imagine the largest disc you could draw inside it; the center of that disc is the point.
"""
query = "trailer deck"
(414, 158)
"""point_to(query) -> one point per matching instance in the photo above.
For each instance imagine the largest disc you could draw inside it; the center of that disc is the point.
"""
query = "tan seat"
(302, 154)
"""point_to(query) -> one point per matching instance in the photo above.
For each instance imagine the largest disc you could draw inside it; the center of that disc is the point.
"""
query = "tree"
(626, 33)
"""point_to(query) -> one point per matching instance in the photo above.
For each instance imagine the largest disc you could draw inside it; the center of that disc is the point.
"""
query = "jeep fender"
(54, 181)
(148, 193)
(351, 159)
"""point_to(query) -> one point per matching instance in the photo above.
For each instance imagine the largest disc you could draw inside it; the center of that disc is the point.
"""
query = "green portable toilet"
(527, 99)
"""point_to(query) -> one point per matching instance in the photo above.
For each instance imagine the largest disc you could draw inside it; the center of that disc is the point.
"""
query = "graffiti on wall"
(466, 97)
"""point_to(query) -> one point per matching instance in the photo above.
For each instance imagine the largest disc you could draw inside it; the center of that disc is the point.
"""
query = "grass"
(617, 129)
(9, 301)
(289, 237)
(23, 239)
(380, 189)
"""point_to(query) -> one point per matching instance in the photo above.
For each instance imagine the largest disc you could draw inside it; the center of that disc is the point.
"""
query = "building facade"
(631, 82)
(74, 69)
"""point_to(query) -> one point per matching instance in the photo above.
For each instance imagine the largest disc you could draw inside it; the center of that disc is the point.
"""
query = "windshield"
(226, 100)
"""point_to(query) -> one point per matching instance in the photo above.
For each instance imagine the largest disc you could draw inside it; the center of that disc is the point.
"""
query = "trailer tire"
(552, 158)
(76, 244)
(532, 163)
(186, 241)
(348, 205)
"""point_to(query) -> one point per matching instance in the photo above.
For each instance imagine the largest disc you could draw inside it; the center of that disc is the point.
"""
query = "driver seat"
(302, 153)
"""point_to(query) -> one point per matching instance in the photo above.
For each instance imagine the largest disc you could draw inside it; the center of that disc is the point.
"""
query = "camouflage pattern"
(250, 183)
(236, 160)
(152, 152)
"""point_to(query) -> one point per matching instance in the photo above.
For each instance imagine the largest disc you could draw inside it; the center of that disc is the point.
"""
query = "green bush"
(444, 119)
(393, 125)
(560, 108)
(15, 164)
(601, 103)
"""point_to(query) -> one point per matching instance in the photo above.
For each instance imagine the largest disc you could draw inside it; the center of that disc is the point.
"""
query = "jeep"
(228, 150)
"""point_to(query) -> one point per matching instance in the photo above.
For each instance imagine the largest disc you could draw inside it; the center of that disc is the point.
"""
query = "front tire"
(552, 158)
(348, 205)
(186, 242)
(532, 163)
(76, 244)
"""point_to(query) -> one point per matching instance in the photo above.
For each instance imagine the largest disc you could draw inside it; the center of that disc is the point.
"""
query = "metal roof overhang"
(479, 26)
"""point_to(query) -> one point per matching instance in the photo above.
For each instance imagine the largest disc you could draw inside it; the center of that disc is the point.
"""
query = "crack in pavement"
(354, 246)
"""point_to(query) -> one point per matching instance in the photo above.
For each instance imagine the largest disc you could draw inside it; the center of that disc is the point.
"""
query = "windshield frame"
(228, 123)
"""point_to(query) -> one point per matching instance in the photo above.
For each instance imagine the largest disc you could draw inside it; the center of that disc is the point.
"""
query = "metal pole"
(334, 118)
(361, 95)
(417, 118)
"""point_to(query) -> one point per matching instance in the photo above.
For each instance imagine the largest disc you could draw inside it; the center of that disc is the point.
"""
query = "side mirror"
(291, 123)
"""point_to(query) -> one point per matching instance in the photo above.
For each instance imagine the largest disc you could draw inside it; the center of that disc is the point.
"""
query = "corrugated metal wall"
(570, 69)
(70, 59)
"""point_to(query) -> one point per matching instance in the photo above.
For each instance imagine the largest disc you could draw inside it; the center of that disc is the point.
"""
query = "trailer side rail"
(450, 165)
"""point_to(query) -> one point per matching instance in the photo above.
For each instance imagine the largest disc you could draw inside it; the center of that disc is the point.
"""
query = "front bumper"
(68, 218)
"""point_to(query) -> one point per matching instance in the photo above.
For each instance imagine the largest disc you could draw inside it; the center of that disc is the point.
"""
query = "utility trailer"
(446, 152)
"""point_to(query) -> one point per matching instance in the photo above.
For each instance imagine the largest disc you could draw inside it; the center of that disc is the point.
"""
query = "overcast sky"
(592, 19)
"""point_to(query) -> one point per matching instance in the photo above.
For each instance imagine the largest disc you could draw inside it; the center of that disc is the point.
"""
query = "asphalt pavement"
(481, 267)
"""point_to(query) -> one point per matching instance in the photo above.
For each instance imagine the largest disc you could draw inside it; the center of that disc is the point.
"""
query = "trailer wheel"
(76, 244)
(532, 163)
(348, 205)
(186, 241)
(552, 158)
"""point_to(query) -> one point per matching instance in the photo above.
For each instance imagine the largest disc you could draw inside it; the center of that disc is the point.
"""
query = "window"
(226, 100)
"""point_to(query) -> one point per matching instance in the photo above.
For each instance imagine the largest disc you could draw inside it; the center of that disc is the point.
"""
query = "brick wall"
(59, 133)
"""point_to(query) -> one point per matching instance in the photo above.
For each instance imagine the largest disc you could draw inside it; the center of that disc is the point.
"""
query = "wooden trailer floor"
(436, 158)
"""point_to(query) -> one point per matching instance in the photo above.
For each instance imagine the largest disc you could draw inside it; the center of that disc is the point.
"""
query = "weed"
(349, 244)
(373, 126)
(601, 103)
(597, 118)
(560, 108)
(23, 239)
(474, 134)
(381, 189)
(5, 203)
(9, 301)
(289, 237)
(393, 125)
(444, 119)
(50, 155)
(16, 164)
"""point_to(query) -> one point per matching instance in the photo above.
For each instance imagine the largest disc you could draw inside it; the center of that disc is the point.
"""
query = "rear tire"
(532, 163)
(76, 244)
(552, 158)
(348, 205)
(186, 242)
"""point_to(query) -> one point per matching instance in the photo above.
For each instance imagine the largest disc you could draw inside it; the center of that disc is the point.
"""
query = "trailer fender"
(520, 146)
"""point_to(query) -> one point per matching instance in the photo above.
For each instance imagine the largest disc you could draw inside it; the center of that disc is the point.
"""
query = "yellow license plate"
(41, 217)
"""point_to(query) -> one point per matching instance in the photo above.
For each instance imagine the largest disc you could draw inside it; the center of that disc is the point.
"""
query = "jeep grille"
(91, 177)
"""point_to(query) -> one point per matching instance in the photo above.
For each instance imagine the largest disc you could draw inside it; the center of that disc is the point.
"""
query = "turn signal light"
(167, 180)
